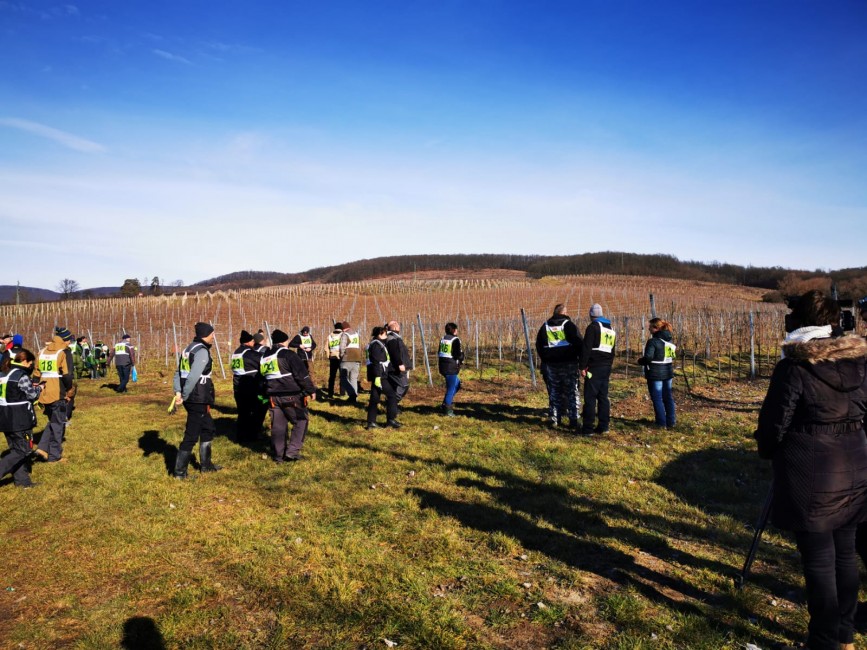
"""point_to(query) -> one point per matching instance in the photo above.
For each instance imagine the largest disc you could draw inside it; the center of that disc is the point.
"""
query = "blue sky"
(188, 139)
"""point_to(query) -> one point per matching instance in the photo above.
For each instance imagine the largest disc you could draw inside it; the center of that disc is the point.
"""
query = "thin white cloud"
(172, 57)
(61, 137)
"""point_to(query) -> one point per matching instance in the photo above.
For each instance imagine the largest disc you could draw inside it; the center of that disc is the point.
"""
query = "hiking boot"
(181, 463)
(394, 424)
(205, 457)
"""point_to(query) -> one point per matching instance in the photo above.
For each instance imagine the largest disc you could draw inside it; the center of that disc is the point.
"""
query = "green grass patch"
(487, 530)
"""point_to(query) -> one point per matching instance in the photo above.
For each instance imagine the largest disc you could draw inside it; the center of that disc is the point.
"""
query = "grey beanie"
(596, 311)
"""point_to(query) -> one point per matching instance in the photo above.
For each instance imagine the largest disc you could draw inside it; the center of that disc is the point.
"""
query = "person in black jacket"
(449, 359)
(559, 345)
(596, 361)
(378, 362)
(289, 387)
(658, 362)
(304, 345)
(811, 425)
(17, 417)
(245, 387)
(401, 363)
(194, 388)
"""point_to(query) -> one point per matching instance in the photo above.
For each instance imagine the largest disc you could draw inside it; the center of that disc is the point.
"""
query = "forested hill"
(849, 281)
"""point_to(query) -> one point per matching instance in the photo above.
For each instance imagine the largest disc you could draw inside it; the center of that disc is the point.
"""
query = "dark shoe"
(181, 463)
(26, 486)
(394, 424)
(205, 458)
(585, 432)
(449, 413)
(600, 432)
(861, 618)
(294, 459)
(371, 425)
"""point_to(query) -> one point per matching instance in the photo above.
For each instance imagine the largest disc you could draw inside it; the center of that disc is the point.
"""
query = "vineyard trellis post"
(529, 349)
(219, 356)
(424, 350)
(177, 350)
(652, 307)
(752, 346)
(626, 336)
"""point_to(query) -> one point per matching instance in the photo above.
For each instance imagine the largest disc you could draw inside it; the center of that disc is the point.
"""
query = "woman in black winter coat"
(811, 426)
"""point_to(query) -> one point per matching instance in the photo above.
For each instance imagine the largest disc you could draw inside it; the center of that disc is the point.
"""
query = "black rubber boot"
(181, 463)
(205, 458)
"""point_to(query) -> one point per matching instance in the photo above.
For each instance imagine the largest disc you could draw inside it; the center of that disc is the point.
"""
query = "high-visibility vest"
(120, 349)
(306, 341)
(270, 367)
(49, 367)
(556, 335)
(607, 338)
(446, 343)
(16, 411)
(238, 364)
(385, 363)
(184, 367)
(354, 340)
(670, 353)
(334, 345)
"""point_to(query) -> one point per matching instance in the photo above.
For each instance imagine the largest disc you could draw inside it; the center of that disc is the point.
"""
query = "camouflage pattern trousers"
(564, 400)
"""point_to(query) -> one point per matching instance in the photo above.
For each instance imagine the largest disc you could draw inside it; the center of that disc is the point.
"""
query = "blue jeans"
(453, 385)
(663, 401)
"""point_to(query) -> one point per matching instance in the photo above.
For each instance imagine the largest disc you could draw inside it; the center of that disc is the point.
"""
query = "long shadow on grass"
(142, 633)
(728, 482)
(581, 522)
(151, 443)
(487, 412)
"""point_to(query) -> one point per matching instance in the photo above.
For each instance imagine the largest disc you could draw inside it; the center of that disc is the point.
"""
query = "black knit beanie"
(203, 329)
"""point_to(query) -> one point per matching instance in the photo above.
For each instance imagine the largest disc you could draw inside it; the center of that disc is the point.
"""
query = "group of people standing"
(48, 379)
(566, 357)
(277, 378)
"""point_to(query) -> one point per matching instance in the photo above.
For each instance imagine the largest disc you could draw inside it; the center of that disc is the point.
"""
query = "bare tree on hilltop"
(67, 287)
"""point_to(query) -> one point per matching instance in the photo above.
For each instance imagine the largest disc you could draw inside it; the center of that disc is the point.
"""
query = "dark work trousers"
(596, 399)
(286, 409)
(200, 425)
(861, 542)
(247, 402)
(123, 373)
(831, 576)
(562, 382)
(333, 373)
(17, 461)
(51, 441)
(390, 400)
(400, 384)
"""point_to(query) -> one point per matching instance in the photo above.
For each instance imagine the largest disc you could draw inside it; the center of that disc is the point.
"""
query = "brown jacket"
(56, 388)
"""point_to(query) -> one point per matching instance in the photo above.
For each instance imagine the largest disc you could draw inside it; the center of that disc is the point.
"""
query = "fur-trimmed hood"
(840, 362)
(827, 349)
